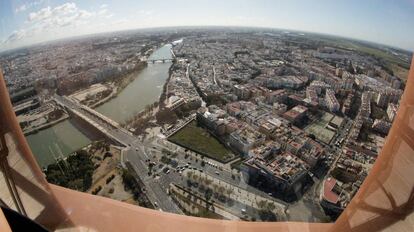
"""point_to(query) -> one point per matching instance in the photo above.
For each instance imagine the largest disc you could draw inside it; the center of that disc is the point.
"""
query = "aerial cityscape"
(219, 122)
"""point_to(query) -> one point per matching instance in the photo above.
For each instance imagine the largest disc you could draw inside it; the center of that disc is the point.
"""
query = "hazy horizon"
(26, 23)
(195, 27)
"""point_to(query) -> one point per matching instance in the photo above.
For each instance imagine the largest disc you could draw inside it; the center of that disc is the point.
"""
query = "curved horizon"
(212, 27)
(26, 23)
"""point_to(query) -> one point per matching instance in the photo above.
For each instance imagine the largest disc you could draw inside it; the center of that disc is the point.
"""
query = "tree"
(87, 181)
(266, 215)
(261, 204)
(128, 179)
(208, 181)
(271, 206)
(229, 191)
(221, 189)
(189, 175)
(166, 116)
(207, 195)
(75, 172)
(195, 177)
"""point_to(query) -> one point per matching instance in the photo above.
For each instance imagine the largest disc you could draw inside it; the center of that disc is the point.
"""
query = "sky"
(24, 22)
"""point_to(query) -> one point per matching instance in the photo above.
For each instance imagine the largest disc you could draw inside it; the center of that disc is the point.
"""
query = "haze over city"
(29, 22)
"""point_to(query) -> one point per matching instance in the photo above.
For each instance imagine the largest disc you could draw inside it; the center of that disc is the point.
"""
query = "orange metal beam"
(4, 226)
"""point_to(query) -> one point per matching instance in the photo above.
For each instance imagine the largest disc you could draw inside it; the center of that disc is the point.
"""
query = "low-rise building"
(276, 96)
(296, 114)
(174, 102)
(242, 92)
(335, 195)
(285, 174)
(245, 139)
(279, 108)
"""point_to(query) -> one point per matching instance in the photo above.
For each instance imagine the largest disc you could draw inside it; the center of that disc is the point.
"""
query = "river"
(144, 90)
(64, 138)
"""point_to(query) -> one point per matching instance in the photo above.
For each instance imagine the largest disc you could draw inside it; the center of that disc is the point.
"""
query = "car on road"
(217, 173)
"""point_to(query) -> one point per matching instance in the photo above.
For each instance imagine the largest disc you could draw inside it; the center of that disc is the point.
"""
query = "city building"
(296, 114)
(392, 111)
(331, 101)
(381, 126)
(335, 195)
(285, 174)
(245, 139)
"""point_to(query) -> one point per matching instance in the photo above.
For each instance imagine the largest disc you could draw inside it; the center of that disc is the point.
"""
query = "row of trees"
(211, 189)
(140, 121)
(207, 186)
(131, 184)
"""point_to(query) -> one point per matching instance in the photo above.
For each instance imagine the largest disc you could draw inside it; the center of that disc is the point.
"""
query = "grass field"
(199, 140)
(397, 65)
(318, 129)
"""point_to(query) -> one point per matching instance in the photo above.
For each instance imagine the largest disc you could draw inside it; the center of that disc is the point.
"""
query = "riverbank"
(128, 78)
(146, 118)
(117, 86)
(134, 92)
(105, 99)
(163, 95)
(45, 126)
(119, 83)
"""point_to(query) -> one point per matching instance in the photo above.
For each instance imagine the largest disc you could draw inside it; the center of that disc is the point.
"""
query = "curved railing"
(385, 201)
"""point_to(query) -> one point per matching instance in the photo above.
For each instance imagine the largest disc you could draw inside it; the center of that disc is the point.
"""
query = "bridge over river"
(156, 60)
(134, 153)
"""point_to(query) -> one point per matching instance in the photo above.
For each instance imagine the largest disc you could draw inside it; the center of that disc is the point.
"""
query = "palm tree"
(271, 206)
(221, 190)
(261, 204)
(215, 186)
(229, 191)
(195, 177)
(208, 181)
(189, 175)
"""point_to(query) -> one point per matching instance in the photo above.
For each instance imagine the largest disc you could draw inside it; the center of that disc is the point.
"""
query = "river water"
(64, 138)
(144, 90)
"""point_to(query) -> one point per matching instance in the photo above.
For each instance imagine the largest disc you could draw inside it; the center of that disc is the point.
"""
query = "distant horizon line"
(51, 41)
